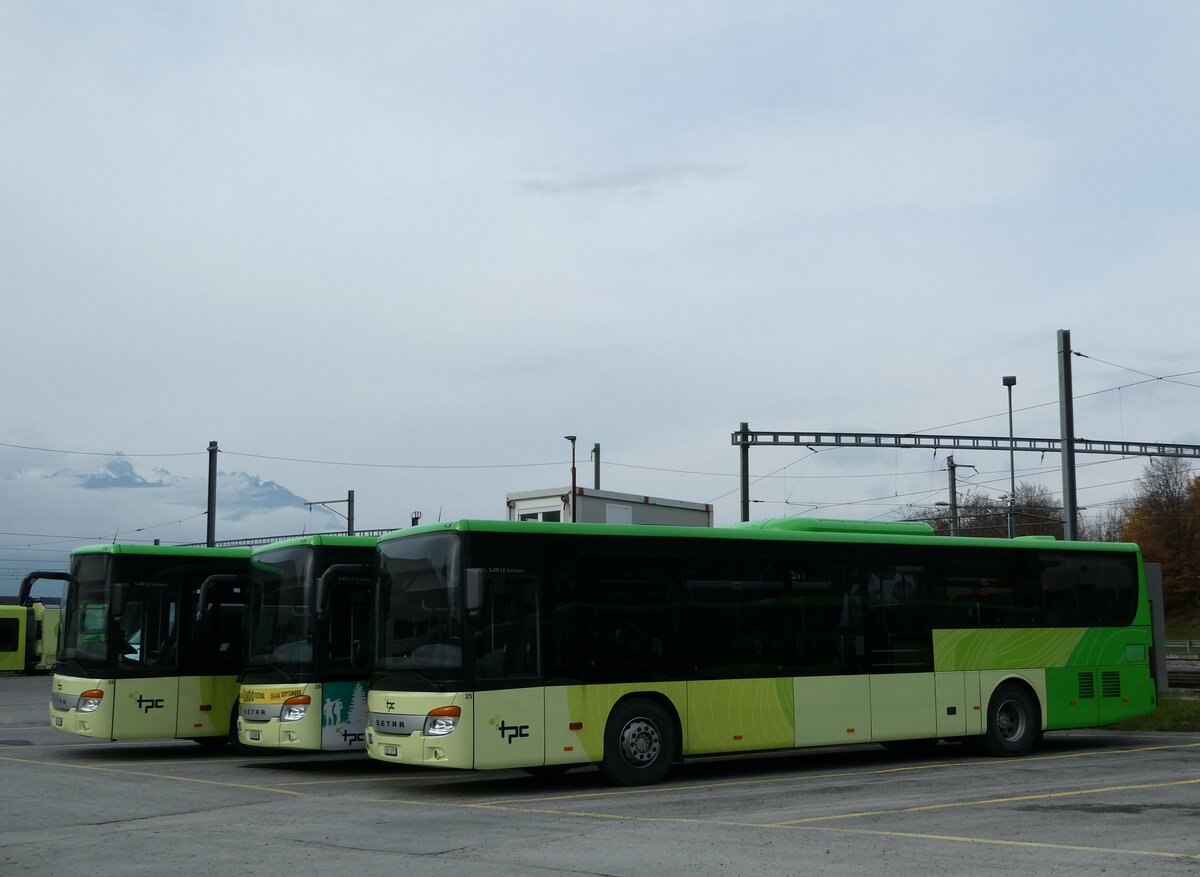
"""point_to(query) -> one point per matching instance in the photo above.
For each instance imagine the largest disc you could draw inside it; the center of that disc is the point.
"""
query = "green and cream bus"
(308, 657)
(542, 646)
(151, 643)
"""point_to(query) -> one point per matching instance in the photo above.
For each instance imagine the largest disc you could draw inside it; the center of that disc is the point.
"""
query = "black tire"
(639, 743)
(1014, 722)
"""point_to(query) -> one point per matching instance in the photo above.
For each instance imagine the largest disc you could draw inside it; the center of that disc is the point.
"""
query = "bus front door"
(510, 706)
(146, 701)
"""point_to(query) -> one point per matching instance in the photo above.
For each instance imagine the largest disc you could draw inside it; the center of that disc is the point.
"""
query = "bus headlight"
(295, 708)
(441, 721)
(89, 701)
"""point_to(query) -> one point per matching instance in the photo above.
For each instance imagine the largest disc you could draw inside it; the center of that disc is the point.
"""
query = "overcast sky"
(419, 243)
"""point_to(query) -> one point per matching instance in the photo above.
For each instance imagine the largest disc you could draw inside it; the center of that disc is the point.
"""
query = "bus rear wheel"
(1013, 722)
(639, 743)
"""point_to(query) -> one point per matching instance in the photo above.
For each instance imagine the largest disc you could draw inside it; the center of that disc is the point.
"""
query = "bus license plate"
(57, 722)
(389, 750)
(256, 735)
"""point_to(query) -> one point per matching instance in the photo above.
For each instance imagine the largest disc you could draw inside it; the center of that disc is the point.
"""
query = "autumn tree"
(1163, 517)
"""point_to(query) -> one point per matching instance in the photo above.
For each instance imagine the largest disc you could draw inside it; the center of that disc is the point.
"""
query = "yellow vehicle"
(304, 685)
(543, 646)
(28, 631)
(151, 643)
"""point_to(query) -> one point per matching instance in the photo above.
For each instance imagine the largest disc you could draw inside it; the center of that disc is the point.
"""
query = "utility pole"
(596, 460)
(1010, 381)
(212, 495)
(571, 439)
(1066, 410)
(950, 467)
(349, 516)
(742, 437)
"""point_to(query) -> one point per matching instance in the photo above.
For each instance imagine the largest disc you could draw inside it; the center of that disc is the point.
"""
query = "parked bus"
(308, 656)
(151, 643)
(28, 633)
(542, 646)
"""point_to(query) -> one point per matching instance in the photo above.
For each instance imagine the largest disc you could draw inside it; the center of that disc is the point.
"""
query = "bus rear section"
(304, 685)
(547, 645)
(28, 636)
(151, 643)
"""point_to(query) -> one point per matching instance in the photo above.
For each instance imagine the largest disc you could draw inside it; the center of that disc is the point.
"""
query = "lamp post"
(571, 439)
(1010, 381)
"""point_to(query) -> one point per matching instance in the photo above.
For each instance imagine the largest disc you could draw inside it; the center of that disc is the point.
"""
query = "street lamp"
(571, 439)
(1010, 381)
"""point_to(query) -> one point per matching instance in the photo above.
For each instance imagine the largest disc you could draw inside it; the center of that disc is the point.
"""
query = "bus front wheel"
(639, 743)
(1014, 722)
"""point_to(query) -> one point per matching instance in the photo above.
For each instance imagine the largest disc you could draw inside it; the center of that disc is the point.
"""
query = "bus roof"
(162, 550)
(318, 539)
(770, 530)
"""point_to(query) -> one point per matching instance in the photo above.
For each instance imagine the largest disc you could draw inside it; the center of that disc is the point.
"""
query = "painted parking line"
(984, 802)
(1005, 842)
(151, 775)
(670, 788)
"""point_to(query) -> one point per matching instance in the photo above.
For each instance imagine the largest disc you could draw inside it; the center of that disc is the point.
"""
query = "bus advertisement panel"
(542, 646)
(151, 643)
(308, 653)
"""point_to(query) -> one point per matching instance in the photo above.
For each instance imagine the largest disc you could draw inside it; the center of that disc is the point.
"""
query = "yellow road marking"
(1043, 796)
(950, 838)
(727, 784)
(152, 775)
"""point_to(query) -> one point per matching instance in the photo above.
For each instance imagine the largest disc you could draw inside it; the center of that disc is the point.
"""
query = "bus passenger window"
(508, 644)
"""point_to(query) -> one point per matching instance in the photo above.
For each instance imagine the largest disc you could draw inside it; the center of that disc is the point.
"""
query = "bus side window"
(631, 611)
(508, 643)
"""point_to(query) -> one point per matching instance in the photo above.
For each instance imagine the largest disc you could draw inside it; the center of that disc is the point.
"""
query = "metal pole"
(744, 444)
(350, 513)
(596, 458)
(954, 531)
(1010, 381)
(1066, 409)
(571, 439)
(212, 495)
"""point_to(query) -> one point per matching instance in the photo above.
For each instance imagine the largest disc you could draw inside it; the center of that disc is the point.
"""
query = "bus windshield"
(420, 600)
(281, 615)
(84, 628)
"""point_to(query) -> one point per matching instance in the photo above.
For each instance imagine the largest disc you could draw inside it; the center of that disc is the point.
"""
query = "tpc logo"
(145, 704)
(510, 732)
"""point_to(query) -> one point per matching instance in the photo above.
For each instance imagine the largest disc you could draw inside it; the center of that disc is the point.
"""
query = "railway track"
(1183, 678)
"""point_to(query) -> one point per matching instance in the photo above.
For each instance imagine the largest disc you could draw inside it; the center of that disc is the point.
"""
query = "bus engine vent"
(1087, 686)
(1110, 683)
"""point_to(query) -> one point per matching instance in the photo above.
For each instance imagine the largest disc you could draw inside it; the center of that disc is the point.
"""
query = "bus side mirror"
(120, 597)
(475, 579)
(356, 574)
(206, 588)
(27, 584)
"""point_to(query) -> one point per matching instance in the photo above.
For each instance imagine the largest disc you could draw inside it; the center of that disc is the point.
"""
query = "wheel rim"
(1010, 721)
(640, 742)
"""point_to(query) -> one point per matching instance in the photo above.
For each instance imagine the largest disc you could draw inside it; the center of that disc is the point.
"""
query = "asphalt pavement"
(1083, 803)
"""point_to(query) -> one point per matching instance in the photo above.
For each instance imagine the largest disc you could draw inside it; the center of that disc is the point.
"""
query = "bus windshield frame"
(421, 613)
(281, 623)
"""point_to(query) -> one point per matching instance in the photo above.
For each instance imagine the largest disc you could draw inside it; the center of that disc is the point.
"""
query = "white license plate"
(57, 722)
(390, 750)
(256, 735)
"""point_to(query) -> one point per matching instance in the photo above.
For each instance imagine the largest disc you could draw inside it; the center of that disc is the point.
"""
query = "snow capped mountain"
(123, 472)
(110, 499)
